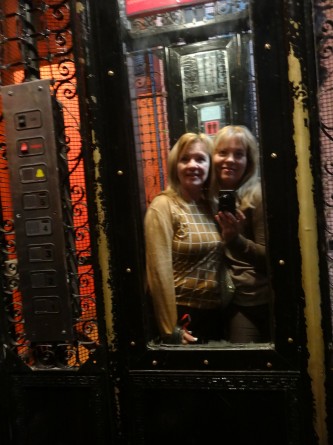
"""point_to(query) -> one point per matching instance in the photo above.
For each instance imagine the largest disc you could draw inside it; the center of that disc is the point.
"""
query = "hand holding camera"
(229, 218)
(227, 201)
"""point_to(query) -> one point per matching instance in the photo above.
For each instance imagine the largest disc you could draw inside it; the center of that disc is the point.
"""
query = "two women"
(188, 242)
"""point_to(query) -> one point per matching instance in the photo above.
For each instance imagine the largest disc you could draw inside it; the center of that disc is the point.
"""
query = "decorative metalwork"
(82, 398)
(36, 42)
(191, 16)
(204, 84)
(148, 99)
(205, 73)
(324, 36)
(222, 386)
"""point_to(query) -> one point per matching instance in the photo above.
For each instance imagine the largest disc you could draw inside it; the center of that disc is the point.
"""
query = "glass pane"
(190, 69)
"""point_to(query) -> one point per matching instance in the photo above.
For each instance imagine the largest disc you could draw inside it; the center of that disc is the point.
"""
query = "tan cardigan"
(183, 256)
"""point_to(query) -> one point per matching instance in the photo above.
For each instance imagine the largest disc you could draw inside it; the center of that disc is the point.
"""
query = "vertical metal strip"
(158, 144)
(308, 242)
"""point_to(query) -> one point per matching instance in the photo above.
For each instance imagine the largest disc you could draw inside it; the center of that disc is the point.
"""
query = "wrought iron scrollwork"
(324, 38)
(36, 42)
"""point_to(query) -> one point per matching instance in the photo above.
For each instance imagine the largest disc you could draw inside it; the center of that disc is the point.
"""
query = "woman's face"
(193, 170)
(230, 160)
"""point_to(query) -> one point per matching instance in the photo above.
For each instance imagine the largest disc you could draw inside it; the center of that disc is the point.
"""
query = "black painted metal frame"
(288, 356)
(133, 367)
(126, 236)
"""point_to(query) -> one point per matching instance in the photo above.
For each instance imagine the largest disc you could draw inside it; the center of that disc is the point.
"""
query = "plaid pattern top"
(183, 257)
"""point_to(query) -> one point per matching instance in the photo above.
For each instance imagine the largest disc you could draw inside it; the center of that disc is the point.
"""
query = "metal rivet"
(269, 365)
(128, 270)
(132, 343)
(40, 88)
(274, 155)
(206, 362)
(110, 73)
(281, 262)
(154, 362)
(120, 172)
(290, 340)
(10, 93)
(268, 46)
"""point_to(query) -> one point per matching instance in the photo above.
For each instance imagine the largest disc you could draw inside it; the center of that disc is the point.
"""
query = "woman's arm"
(159, 234)
(158, 239)
(252, 249)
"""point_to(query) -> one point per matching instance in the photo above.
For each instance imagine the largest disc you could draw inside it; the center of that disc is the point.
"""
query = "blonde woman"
(184, 248)
(236, 158)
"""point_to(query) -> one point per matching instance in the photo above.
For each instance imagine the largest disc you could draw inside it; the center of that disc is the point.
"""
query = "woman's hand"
(180, 336)
(188, 337)
(230, 224)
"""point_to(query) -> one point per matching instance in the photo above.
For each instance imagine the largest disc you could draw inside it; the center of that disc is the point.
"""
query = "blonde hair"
(249, 184)
(185, 141)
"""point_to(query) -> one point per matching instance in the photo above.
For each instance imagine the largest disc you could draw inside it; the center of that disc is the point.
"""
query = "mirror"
(190, 69)
(213, 84)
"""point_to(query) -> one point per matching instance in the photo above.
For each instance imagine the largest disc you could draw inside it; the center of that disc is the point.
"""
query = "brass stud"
(132, 343)
(154, 362)
(274, 155)
(268, 46)
(111, 73)
(128, 270)
(206, 362)
(281, 262)
(269, 365)
(120, 172)
(290, 340)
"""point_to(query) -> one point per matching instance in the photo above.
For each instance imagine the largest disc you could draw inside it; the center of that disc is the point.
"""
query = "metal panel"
(42, 213)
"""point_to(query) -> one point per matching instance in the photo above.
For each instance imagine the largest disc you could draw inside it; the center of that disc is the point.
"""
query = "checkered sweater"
(183, 256)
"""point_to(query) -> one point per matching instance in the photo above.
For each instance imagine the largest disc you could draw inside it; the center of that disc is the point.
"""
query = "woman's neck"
(191, 195)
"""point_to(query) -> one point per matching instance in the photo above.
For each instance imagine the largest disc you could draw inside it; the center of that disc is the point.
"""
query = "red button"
(24, 147)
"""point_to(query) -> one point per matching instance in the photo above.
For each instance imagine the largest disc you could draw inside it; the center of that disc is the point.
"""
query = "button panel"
(42, 210)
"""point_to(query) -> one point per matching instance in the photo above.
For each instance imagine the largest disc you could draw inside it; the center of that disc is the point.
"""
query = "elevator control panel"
(42, 211)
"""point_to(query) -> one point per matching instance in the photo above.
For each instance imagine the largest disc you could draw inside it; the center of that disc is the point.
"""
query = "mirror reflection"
(236, 159)
(193, 99)
(184, 248)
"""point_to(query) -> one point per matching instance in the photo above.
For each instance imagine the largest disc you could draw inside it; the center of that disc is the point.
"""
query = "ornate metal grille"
(36, 42)
(205, 73)
(324, 34)
(148, 99)
(190, 16)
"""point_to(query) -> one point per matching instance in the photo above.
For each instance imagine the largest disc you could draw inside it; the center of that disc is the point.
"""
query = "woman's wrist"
(176, 338)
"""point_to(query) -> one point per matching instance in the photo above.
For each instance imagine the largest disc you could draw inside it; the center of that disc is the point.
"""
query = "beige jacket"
(183, 256)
